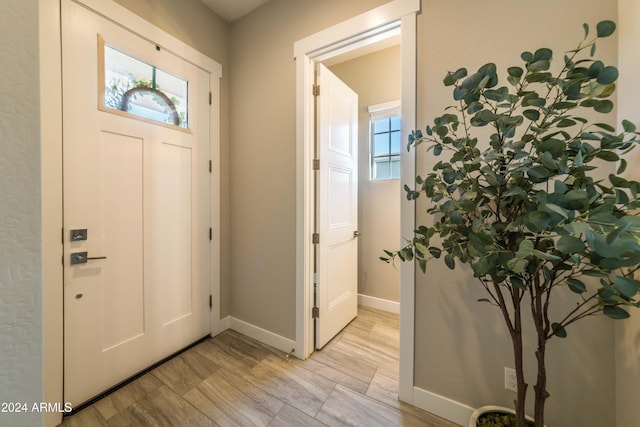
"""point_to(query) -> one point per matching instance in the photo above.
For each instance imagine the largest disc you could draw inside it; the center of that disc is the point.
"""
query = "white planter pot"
(473, 421)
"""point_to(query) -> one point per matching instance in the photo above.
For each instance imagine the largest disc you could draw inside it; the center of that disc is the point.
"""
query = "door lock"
(78, 234)
(82, 258)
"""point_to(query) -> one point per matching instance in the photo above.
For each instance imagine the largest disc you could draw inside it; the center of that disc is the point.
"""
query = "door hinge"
(210, 301)
(210, 98)
(316, 90)
(210, 233)
(315, 312)
(210, 166)
(316, 164)
(62, 236)
(315, 238)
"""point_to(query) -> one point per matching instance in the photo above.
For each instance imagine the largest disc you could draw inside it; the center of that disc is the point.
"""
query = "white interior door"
(140, 189)
(337, 206)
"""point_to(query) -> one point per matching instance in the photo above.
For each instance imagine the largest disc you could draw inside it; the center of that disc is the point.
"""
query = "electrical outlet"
(510, 382)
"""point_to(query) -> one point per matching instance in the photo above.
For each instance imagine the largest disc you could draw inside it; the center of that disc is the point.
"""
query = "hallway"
(232, 380)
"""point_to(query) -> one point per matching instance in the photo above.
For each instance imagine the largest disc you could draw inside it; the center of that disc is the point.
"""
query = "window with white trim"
(385, 140)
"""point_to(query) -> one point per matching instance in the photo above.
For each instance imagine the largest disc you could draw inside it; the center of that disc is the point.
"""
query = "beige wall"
(628, 332)
(263, 153)
(20, 218)
(376, 79)
(196, 25)
(461, 345)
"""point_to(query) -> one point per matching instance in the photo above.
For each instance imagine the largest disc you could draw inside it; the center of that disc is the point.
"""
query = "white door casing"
(325, 44)
(337, 206)
(141, 191)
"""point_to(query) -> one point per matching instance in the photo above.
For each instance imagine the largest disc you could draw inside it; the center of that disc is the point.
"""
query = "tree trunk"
(539, 314)
(516, 338)
(540, 388)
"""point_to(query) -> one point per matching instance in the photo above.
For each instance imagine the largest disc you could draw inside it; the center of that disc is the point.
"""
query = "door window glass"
(141, 89)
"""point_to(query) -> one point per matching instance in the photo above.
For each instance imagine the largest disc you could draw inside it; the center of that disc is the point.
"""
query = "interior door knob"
(356, 234)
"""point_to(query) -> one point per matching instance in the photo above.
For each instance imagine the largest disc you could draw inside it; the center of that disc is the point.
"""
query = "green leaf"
(538, 174)
(604, 106)
(420, 247)
(605, 28)
(627, 287)
(543, 54)
(608, 75)
(553, 208)
(605, 126)
(448, 259)
(615, 312)
(586, 29)
(515, 72)
(576, 285)
(537, 221)
(422, 263)
(609, 156)
(628, 126)
(517, 265)
(525, 249)
(564, 123)
(532, 115)
(558, 330)
(622, 166)
(569, 245)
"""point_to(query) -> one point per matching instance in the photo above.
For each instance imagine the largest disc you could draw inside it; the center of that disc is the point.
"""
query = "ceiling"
(231, 10)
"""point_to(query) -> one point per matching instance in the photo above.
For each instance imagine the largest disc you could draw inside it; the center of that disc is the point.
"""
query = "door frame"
(345, 36)
(50, 56)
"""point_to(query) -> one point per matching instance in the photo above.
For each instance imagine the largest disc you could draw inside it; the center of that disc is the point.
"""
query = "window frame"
(385, 110)
(102, 44)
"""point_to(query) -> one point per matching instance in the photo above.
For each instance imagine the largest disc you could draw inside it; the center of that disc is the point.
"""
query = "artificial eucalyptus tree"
(526, 207)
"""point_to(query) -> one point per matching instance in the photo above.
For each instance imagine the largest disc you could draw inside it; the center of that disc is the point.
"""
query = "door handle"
(82, 258)
(356, 234)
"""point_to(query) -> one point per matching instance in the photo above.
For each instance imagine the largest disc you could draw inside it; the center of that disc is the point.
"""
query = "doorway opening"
(374, 73)
(348, 36)
(358, 145)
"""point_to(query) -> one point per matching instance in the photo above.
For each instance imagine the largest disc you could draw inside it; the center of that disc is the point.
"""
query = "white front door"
(337, 206)
(136, 207)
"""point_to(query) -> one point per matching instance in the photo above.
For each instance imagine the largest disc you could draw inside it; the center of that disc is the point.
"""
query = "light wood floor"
(232, 380)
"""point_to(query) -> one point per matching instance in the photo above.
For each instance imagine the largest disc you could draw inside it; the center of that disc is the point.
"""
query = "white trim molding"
(407, 208)
(379, 303)
(259, 334)
(441, 406)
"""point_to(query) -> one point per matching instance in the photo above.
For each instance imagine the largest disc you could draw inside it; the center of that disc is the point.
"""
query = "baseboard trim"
(379, 303)
(225, 323)
(441, 406)
(257, 333)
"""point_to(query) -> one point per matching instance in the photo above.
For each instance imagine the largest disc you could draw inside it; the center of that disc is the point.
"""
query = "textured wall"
(376, 79)
(20, 253)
